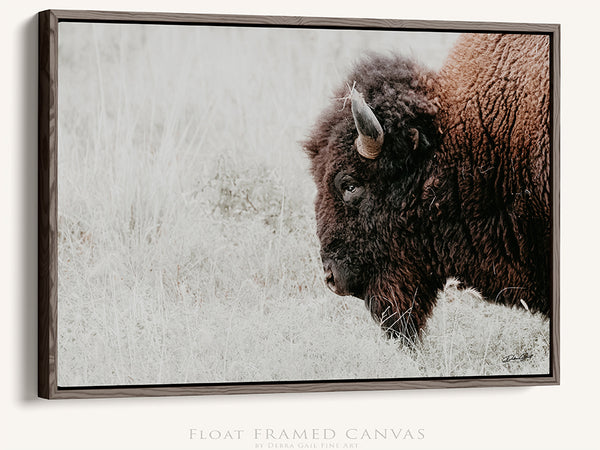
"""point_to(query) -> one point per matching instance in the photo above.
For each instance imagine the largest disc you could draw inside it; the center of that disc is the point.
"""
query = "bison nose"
(333, 279)
(329, 279)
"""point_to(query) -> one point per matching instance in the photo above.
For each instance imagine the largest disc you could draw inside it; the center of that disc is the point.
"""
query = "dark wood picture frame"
(47, 208)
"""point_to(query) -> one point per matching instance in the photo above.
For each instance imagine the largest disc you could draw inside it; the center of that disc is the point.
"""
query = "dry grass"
(187, 250)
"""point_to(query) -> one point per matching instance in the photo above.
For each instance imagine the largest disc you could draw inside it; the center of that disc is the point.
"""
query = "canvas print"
(270, 204)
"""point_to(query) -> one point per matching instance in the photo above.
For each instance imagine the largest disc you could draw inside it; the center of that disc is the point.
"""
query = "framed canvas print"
(238, 204)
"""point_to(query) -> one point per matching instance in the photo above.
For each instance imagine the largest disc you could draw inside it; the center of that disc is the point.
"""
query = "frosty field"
(187, 246)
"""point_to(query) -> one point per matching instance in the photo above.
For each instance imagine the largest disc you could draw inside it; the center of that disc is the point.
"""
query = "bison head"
(371, 153)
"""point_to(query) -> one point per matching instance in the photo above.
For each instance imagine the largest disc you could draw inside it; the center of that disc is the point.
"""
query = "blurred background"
(187, 246)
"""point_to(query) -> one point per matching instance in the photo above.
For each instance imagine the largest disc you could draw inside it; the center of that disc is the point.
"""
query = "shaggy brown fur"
(471, 201)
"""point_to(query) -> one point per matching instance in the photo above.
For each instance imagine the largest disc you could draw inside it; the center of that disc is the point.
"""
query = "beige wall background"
(539, 417)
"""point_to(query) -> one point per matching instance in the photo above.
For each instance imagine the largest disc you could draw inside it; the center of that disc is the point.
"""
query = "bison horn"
(370, 133)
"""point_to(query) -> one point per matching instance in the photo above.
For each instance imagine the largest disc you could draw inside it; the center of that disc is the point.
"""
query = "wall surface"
(534, 418)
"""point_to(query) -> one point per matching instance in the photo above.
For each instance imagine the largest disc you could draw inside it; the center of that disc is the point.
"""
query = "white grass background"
(187, 247)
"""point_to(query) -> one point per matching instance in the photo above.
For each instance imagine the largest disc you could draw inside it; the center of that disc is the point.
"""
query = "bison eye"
(353, 194)
(350, 188)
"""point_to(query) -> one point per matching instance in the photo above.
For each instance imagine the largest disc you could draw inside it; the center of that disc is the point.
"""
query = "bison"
(429, 175)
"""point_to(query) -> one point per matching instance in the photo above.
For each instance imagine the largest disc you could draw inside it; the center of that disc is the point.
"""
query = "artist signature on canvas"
(512, 357)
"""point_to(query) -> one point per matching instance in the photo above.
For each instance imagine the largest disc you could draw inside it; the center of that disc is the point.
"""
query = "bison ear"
(312, 145)
(370, 133)
(309, 148)
(418, 139)
(414, 136)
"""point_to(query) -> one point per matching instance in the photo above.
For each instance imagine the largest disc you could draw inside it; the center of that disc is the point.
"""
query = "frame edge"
(555, 68)
(307, 387)
(47, 201)
(158, 17)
